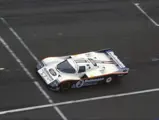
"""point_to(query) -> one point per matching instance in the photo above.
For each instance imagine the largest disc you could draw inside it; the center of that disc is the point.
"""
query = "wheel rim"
(108, 80)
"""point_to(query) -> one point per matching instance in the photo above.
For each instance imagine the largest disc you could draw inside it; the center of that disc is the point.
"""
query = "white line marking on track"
(20, 39)
(138, 6)
(16, 58)
(44, 93)
(1, 69)
(25, 109)
(154, 59)
(79, 101)
(50, 100)
(27, 71)
(60, 113)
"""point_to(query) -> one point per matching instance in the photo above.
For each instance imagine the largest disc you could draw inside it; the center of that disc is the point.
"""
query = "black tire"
(65, 86)
(113, 80)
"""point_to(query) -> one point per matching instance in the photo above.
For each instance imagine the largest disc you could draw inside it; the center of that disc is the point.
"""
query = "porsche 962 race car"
(75, 71)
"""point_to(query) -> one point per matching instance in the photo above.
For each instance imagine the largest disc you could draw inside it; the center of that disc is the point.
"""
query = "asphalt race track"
(34, 29)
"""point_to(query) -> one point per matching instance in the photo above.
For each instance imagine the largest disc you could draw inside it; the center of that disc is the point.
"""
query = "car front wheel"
(65, 86)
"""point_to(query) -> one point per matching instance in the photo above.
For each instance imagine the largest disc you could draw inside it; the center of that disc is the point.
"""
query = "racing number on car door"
(80, 83)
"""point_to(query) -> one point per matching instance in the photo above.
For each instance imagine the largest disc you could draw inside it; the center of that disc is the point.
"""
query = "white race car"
(75, 71)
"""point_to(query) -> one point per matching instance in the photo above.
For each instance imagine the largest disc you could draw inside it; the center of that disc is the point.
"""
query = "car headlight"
(39, 65)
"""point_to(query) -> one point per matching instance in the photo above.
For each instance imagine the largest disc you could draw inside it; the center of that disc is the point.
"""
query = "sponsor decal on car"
(80, 83)
(87, 82)
(90, 83)
(94, 80)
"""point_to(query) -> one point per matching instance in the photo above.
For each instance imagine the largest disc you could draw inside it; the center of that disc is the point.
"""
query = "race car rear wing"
(116, 59)
(111, 54)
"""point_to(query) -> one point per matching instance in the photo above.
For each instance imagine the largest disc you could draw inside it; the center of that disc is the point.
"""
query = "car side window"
(82, 69)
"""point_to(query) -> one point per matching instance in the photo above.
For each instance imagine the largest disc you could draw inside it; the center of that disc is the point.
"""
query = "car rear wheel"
(113, 79)
(108, 79)
(65, 86)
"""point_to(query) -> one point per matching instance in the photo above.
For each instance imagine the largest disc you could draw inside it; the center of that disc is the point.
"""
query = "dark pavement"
(16, 88)
(55, 28)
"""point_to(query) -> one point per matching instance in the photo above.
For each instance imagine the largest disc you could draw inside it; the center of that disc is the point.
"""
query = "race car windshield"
(65, 67)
